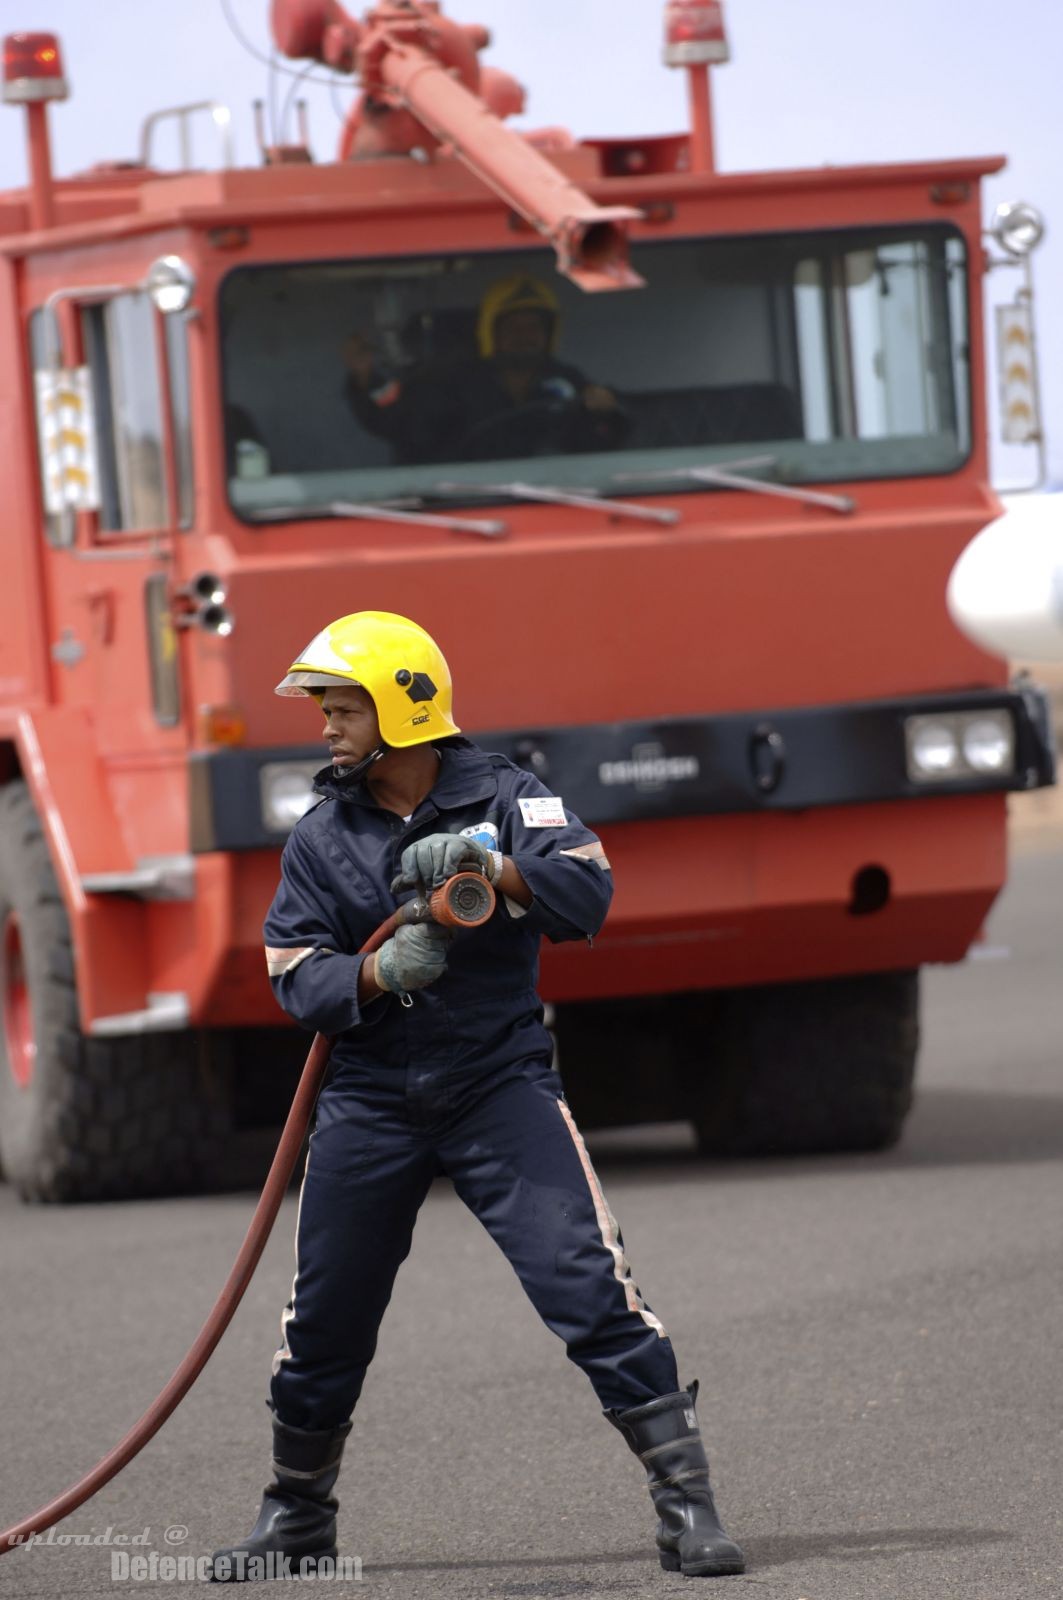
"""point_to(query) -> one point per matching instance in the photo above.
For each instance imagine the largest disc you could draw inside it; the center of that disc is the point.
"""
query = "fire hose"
(464, 901)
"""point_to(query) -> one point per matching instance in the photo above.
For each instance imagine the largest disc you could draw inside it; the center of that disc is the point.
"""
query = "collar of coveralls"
(465, 776)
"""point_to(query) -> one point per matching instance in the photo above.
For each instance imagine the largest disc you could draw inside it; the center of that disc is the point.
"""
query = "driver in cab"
(515, 399)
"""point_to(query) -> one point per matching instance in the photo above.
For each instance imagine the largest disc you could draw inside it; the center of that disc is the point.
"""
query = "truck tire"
(634, 1059)
(806, 1068)
(84, 1118)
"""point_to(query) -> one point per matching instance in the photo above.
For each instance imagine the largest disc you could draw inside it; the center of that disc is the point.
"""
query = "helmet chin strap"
(352, 774)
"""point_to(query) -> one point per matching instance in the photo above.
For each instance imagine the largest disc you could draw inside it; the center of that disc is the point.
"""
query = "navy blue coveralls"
(460, 1082)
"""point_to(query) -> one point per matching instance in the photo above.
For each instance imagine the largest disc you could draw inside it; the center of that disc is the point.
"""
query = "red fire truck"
(695, 579)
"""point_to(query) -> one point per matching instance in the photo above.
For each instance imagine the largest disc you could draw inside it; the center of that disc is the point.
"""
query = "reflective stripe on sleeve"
(590, 852)
(280, 961)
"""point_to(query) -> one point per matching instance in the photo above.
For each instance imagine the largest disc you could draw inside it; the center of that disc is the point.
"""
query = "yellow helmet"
(399, 665)
(518, 293)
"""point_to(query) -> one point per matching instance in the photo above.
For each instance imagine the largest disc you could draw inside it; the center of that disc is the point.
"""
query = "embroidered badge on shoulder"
(542, 811)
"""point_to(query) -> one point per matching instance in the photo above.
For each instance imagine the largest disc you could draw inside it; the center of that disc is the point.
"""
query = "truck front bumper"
(754, 761)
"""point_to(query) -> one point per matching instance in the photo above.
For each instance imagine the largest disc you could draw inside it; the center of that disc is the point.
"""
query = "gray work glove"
(433, 860)
(415, 955)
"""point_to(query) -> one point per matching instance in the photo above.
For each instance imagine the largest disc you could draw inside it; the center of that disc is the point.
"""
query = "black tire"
(635, 1059)
(806, 1068)
(99, 1118)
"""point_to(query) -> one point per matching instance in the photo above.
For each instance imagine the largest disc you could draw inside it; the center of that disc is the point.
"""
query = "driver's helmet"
(517, 293)
(394, 660)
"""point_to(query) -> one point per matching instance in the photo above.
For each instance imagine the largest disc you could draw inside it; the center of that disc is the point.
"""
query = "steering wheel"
(556, 426)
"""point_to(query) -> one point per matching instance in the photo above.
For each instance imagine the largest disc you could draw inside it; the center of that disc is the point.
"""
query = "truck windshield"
(842, 355)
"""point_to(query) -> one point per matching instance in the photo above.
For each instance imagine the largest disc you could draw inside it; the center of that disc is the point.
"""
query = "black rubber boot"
(664, 1435)
(297, 1522)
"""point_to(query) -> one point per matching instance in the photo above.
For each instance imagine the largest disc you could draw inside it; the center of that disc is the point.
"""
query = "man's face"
(351, 726)
(523, 337)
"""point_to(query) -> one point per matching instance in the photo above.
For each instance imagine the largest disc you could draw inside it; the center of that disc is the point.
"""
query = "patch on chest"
(484, 833)
(542, 811)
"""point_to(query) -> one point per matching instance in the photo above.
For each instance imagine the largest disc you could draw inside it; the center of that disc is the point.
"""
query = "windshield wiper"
(726, 478)
(367, 510)
(589, 499)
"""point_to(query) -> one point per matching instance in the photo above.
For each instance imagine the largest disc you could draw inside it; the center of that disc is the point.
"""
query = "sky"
(824, 81)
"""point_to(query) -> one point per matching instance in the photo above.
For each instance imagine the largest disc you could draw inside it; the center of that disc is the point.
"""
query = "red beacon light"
(33, 69)
(694, 33)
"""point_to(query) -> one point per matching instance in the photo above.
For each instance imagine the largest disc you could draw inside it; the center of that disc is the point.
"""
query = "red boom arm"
(421, 79)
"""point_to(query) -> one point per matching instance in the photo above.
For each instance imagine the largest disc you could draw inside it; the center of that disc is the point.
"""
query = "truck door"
(115, 497)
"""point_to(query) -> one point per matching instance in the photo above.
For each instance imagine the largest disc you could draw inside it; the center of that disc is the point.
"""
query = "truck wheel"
(84, 1118)
(812, 1067)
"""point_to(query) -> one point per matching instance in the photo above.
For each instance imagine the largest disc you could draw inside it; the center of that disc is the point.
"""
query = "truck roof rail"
(220, 115)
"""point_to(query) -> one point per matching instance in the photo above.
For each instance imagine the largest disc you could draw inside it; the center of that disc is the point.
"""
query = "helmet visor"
(311, 683)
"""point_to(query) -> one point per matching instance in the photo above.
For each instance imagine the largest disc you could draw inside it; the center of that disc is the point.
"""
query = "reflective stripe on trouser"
(516, 1159)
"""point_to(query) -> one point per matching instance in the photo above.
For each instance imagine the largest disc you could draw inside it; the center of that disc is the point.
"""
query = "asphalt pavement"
(877, 1339)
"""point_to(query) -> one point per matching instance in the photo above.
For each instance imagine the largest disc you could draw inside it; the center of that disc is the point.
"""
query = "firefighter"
(441, 1065)
(512, 398)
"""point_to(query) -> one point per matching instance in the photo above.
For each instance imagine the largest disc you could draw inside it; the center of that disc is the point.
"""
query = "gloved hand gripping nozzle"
(416, 953)
(465, 900)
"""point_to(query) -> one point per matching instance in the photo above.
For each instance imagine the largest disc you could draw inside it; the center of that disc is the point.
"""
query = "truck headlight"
(286, 790)
(933, 750)
(959, 744)
(989, 742)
